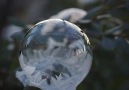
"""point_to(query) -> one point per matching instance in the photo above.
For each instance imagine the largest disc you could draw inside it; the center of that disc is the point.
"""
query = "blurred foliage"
(107, 26)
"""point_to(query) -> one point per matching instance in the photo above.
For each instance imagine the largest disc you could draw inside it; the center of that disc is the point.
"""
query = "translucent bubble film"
(55, 55)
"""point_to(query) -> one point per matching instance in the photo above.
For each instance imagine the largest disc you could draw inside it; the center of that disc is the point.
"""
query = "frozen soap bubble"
(55, 55)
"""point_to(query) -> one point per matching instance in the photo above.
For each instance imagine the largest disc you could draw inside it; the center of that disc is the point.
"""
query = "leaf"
(107, 44)
(94, 12)
(122, 55)
(113, 3)
(114, 31)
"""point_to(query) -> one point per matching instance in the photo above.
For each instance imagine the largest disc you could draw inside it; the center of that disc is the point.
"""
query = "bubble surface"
(55, 55)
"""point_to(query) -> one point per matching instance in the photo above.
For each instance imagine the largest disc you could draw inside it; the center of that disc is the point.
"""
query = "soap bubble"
(55, 55)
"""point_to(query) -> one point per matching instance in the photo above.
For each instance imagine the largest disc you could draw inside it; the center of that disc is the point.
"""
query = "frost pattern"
(72, 70)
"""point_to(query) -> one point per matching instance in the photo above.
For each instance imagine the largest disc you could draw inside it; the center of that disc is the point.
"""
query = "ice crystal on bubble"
(55, 55)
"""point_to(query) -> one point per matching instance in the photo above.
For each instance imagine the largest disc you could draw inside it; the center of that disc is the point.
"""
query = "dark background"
(106, 24)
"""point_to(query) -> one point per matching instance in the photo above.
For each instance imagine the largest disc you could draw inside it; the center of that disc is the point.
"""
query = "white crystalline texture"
(56, 59)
